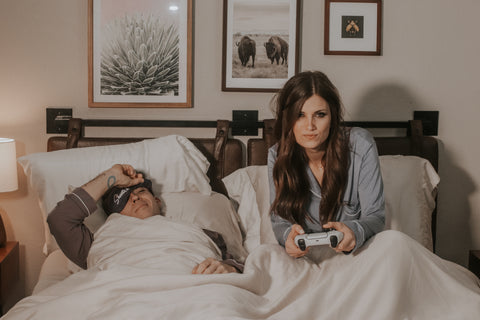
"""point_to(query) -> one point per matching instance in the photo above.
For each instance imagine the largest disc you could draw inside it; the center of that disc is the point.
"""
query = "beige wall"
(429, 62)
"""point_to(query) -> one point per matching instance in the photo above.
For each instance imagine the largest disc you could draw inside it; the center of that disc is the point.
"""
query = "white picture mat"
(369, 41)
(268, 83)
(97, 44)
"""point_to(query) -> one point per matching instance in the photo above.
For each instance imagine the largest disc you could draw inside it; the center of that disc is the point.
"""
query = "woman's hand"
(348, 242)
(290, 245)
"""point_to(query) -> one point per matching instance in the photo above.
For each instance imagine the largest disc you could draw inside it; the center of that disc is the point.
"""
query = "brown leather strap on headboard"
(75, 132)
(219, 156)
(257, 149)
(268, 132)
(416, 134)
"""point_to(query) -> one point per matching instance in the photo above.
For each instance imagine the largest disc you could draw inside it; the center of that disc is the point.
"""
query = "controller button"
(333, 241)
(301, 244)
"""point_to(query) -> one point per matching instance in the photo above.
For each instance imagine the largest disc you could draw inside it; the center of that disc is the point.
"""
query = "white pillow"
(173, 164)
(213, 212)
(409, 186)
(249, 188)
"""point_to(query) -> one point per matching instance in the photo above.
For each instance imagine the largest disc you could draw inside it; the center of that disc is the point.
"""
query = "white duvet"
(141, 269)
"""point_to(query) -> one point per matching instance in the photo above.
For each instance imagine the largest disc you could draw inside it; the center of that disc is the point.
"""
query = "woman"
(322, 175)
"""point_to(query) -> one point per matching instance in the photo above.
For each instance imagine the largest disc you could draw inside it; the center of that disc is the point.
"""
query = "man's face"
(141, 204)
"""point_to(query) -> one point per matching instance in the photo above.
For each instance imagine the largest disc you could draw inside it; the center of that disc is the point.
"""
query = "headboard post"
(75, 132)
(219, 155)
(258, 147)
(415, 132)
(268, 132)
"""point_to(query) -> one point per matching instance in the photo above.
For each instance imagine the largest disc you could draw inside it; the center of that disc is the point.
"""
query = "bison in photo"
(277, 48)
(246, 49)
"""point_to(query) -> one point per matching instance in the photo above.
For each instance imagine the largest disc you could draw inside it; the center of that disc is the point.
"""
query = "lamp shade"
(8, 165)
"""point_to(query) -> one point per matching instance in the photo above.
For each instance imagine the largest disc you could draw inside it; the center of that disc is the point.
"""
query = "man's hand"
(124, 175)
(348, 242)
(290, 245)
(121, 175)
(211, 266)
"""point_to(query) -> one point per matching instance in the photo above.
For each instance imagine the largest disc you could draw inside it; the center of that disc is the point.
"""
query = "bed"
(206, 182)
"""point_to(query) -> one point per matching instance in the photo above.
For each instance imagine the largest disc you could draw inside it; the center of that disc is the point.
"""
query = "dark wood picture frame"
(353, 27)
(136, 75)
(253, 26)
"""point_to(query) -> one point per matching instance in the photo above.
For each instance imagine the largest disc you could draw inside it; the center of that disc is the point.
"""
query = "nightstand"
(9, 274)
(474, 262)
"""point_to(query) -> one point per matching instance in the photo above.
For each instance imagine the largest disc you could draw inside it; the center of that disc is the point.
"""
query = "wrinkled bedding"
(141, 269)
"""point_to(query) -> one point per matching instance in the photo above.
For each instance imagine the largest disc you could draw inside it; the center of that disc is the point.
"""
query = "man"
(123, 191)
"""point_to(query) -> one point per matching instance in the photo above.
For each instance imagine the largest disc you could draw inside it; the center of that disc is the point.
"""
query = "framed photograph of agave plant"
(140, 53)
(260, 44)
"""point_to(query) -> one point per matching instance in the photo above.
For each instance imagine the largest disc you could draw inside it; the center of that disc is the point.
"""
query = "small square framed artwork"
(353, 27)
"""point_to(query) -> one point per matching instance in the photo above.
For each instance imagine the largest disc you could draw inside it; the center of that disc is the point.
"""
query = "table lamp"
(8, 175)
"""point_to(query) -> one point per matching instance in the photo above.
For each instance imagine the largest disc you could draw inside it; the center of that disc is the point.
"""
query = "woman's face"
(313, 124)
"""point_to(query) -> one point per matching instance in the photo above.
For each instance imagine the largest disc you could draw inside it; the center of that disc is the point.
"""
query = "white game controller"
(331, 238)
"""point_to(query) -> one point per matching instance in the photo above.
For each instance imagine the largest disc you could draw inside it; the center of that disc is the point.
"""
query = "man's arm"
(210, 265)
(66, 219)
(66, 225)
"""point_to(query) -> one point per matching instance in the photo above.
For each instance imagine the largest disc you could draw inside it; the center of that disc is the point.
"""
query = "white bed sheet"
(55, 268)
(409, 281)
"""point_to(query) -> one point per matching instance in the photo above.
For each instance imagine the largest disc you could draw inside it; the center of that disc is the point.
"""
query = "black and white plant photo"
(140, 53)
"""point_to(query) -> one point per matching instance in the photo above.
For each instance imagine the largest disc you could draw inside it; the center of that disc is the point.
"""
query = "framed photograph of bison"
(353, 27)
(260, 44)
(140, 53)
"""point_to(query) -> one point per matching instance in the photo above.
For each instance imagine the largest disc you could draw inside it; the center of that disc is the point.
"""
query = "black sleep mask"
(116, 198)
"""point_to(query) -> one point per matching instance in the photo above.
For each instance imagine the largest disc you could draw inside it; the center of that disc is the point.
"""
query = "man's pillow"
(409, 186)
(213, 212)
(173, 164)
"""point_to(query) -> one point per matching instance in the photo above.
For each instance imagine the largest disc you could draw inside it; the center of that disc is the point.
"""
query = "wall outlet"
(429, 121)
(244, 123)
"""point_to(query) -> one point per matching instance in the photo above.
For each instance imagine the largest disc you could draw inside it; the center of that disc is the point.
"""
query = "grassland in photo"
(263, 66)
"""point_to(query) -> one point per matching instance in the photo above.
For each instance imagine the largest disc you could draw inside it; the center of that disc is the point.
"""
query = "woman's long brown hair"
(289, 174)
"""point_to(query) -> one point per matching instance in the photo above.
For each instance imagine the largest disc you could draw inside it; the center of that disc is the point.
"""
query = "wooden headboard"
(227, 154)
(224, 154)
